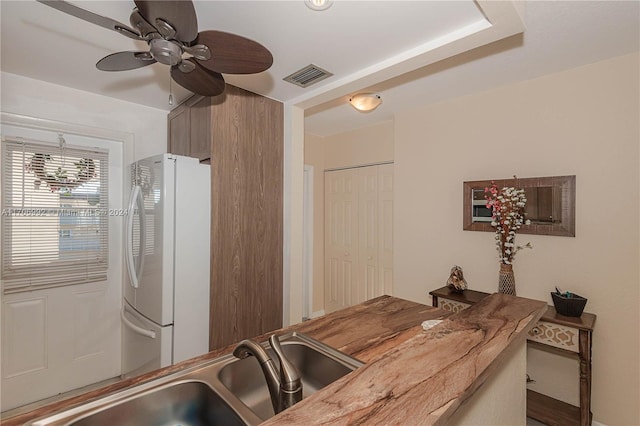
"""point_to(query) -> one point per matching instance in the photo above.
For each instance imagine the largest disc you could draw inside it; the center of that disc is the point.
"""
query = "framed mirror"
(551, 205)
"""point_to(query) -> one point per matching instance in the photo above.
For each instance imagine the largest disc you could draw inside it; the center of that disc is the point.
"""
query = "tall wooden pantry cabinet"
(245, 134)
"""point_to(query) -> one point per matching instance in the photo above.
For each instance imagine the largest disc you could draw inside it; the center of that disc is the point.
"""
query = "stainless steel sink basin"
(161, 402)
(224, 391)
(318, 365)
(186, 403)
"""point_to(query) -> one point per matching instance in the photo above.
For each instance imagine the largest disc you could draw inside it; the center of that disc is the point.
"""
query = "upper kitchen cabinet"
(189, 128)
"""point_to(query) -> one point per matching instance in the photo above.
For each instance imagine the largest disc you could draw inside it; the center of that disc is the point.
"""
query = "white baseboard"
(594, 423)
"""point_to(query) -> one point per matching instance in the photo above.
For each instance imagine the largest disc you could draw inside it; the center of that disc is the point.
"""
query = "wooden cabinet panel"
(241, 134)
(178, 130)
(200, 128)
(189, 128)
(246, 210)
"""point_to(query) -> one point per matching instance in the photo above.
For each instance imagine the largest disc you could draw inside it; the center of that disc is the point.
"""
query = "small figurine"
(456, 281)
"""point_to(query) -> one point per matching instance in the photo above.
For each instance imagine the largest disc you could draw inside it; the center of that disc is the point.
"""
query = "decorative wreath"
(59, 178)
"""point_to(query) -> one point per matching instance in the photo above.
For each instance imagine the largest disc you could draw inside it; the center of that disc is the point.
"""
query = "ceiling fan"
(170, 28)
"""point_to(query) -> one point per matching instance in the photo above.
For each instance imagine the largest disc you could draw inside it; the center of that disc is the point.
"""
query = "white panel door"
(358, 235)
(59, 339)
(56, 340)
(368, 237)
(341, 239)
(25, 325)
(385, 229)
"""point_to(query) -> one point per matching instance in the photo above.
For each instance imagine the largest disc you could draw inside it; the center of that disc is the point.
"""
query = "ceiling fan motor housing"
(165, 51)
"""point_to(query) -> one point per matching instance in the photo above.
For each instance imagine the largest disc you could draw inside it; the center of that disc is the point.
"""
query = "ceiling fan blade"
(180, 15)
(233, 54)
(123, 61)
(93, 18)
(200, 81)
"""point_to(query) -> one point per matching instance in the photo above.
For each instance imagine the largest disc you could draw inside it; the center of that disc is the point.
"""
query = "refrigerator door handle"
(135, 271)
(147, 333)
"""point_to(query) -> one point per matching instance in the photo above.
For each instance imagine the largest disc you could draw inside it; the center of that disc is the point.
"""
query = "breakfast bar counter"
(410, 376)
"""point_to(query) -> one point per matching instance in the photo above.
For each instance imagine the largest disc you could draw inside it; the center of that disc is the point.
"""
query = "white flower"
(507, 206)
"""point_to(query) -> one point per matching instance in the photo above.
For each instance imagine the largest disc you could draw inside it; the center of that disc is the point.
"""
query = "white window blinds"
(54, 215)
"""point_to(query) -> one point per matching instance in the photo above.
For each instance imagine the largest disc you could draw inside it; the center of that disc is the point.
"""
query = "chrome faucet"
(285, 387)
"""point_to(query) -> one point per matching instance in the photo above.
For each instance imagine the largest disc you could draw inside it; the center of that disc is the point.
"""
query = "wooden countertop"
(409, 373)
(425, 378)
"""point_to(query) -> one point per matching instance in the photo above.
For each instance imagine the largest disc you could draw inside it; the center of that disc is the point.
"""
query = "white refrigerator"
(165, 311)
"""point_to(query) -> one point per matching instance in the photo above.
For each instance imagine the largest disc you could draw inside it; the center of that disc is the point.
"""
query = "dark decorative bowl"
(568, 306)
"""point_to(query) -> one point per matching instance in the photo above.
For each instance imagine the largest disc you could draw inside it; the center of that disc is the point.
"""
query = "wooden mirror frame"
(565, 185)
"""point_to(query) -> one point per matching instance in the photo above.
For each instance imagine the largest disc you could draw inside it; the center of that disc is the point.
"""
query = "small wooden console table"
(568, 335)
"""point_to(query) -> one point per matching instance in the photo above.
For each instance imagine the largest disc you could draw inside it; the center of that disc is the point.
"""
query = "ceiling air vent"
(307, 76)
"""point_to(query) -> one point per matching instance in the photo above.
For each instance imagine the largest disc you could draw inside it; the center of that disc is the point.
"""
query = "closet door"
(369, 234)
(358, 235)
(341, 239)
(385, 230)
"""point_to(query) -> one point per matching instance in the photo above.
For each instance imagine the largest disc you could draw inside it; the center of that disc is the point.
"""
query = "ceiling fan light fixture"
(165, 51)
(318, 5)
(365, 102)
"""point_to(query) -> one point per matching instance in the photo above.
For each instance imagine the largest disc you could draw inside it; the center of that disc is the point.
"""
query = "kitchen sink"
(225, 390)
(160, 403)
(318, 365)
(186, 403)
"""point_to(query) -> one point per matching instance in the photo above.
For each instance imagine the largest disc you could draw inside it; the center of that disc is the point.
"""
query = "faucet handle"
(289, 376)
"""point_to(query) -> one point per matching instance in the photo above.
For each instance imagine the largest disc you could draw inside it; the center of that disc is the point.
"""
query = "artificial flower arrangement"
(58, 179)
(508, 208)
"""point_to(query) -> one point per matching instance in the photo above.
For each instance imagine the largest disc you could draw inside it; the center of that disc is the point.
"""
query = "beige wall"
(368, 145)
(582, 121)
(314, 156)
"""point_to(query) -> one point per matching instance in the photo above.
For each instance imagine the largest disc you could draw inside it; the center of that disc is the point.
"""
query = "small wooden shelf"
(469, 297)
(541, 407)
(551, 411)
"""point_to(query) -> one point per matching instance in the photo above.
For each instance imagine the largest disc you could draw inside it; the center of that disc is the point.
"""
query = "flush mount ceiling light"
(318, 4)
(365, 102)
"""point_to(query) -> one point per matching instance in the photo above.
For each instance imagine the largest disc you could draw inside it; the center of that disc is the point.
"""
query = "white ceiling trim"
(503, 19)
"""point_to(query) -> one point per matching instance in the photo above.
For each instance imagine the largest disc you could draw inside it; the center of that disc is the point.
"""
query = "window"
(54, 215)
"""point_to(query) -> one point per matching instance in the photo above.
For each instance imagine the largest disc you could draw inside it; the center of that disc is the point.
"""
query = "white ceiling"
(45, 44)
(360, 42)
(559, 35)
